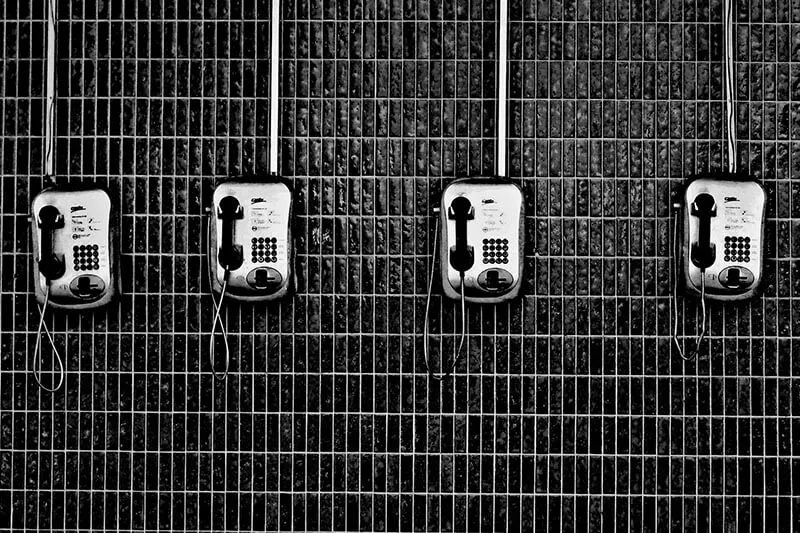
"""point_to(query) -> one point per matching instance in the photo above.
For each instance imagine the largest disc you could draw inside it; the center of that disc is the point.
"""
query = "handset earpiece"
(51, 264)
(230, 255)
(462, 255)
(704, 207)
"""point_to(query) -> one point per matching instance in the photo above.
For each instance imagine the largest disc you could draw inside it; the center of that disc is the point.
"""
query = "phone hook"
(426, 327)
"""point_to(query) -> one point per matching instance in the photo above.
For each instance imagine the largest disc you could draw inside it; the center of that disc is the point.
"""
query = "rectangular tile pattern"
(570, 411)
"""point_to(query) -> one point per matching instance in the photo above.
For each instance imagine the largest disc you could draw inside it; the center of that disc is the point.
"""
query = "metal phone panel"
(88, 242)
(738, 234)
(265, 234)
(496, 234)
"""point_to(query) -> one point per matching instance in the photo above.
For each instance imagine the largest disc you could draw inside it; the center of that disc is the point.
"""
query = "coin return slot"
(495, 279)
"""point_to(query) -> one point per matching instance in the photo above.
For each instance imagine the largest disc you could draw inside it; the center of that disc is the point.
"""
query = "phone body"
(251, 232)
(74, 234)
(723, 237)
(487, 225)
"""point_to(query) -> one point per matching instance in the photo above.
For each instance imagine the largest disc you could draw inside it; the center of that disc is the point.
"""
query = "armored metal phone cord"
(730, 103)
(426, 329)
(218, 320)
(37, 356)
(676, 337)
(50, 95)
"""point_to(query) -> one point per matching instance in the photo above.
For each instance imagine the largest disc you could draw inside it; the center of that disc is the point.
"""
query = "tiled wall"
(570, 411)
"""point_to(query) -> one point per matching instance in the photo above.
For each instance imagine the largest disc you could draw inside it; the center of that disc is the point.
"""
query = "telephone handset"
(482, 231)
(462, 255)
(51, 263)
(703, 250)
(230, 254)
(250, 240)
(723, 238)
(74, 249)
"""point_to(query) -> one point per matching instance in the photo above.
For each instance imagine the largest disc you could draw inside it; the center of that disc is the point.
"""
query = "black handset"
(51, 264)
(230, 255)
(704, 251)
(462, 255)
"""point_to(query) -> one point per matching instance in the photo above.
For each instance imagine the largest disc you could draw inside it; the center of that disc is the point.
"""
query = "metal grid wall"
(569, 412)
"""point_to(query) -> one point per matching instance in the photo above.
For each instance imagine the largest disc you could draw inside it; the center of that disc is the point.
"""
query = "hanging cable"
(274, 86)
(37, 355)
(218, 320)
(49, 171)
(729, 76)
(425, 332)
(502, 90)
(677, 339)
(50, 92)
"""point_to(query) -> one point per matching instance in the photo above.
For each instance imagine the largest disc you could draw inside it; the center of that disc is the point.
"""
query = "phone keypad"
(495, 251)
(737, 249)
(264, 250)
(86, 257)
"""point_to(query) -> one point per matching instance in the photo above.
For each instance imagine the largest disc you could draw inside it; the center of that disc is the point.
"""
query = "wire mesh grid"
(569, 412)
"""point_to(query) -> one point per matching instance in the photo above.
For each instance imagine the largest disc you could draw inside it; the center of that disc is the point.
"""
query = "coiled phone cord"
(37, 355)
(676, 338)
(426, 329)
